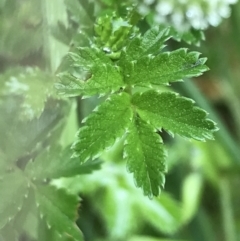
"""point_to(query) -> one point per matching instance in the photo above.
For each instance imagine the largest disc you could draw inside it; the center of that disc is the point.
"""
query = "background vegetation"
(201, 196)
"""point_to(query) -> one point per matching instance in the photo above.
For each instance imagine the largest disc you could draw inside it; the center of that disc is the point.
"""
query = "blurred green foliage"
(201, 198)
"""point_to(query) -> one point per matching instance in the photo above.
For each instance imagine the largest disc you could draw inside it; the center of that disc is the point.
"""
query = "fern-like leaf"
(125, 59)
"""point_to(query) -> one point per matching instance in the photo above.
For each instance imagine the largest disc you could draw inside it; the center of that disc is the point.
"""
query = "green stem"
(227, 212)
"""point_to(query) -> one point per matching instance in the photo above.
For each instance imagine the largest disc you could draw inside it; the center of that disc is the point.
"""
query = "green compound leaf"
(124, 59)
(59, 210)
(165, 67)
(107, 123)
(55, 163)
(145, 157)
(175, 114)
(92, 72)
(13, 191)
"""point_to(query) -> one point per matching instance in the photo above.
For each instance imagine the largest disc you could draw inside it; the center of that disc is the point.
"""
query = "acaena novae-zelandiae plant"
(129, 68)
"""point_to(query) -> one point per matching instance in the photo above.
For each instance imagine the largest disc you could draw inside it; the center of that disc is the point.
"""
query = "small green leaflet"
(145, 157)
(152, 42)
(143, 62)
(13, 191)
(165, 67)
(59, 210)
(107, 123)
(92, 73)
(174, 113)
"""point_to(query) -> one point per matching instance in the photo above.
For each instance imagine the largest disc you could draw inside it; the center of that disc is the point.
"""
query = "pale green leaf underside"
(55, 163)
(40, 86)
(175, 114)
(92, 73)
(34, 85)
(107, 123)
(59, 209)
(8, 233)
(165, 67)
(145, 157)
(3, 163)
(13, 190)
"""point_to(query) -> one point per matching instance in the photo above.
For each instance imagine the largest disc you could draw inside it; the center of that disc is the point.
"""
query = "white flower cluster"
(184, 14)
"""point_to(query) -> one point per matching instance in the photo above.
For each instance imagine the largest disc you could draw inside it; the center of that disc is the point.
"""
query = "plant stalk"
(227, 212)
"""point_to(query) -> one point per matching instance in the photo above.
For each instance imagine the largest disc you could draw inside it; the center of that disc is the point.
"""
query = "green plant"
(124, 62)
(129, 67)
